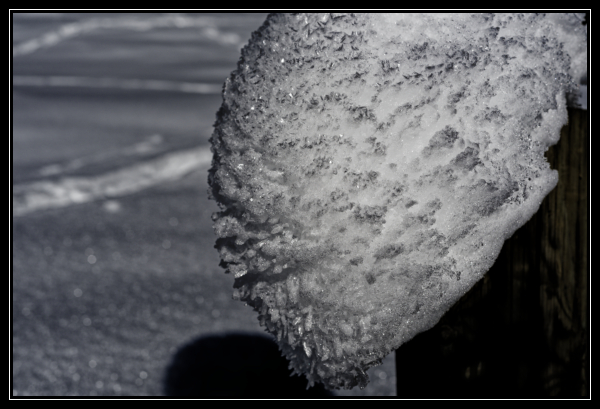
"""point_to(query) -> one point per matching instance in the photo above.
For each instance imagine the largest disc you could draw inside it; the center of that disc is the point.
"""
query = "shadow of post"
(235, 365)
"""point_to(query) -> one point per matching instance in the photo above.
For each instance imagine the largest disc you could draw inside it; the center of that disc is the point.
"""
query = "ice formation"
(369, 168)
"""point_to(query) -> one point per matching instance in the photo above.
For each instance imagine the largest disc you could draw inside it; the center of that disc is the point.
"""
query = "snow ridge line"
(116, 83)
(78, 28)
(149, 145)
(41, 195)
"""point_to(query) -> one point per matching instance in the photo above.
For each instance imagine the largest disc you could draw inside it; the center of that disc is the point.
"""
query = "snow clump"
(369, 168)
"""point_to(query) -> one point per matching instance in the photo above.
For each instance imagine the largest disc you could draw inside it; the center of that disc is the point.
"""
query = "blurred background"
(116, 288)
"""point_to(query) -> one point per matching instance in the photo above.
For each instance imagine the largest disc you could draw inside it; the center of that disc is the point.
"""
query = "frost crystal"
(370, 167)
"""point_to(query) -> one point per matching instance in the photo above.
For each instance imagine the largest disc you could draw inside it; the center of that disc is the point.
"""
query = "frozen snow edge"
(579, 100)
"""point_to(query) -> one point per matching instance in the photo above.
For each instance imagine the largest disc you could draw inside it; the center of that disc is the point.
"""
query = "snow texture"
(370, 167)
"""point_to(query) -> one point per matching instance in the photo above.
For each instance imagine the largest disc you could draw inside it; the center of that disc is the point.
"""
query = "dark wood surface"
(523, 330)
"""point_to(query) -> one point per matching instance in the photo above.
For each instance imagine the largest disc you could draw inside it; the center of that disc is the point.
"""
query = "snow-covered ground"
(113, 266)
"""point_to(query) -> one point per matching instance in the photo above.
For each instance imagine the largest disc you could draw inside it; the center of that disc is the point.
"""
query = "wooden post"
(522, 331)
